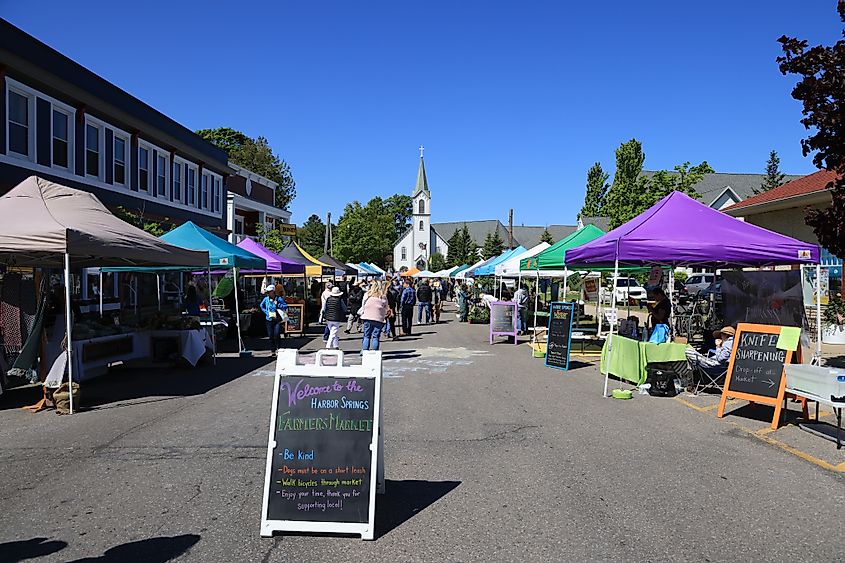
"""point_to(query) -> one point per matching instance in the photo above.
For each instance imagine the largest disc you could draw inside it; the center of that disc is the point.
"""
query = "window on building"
(92, 150)
(143, 169)
(421, 225)
(191, 188)
(404, 253)
(204, 192)
(161, 176)
(177, 181)
(60, 138)
(119, 161)
(18, 123)
(239, 225)
(218, 195)
(422, 206)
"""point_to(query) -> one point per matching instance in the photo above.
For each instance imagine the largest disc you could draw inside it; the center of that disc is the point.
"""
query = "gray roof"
(522, 235)
(602, 223)
(712, 185)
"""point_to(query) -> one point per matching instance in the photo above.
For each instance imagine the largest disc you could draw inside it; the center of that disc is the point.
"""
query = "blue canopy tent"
(489, 268)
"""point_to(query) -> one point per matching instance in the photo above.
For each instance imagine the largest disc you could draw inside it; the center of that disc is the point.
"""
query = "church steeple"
(422, 181)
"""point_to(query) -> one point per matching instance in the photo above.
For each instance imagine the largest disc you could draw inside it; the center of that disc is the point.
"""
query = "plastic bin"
(827, 383)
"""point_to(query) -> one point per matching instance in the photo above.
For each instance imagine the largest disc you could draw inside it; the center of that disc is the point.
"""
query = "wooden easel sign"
(503, 316)
(755, 371)
(325, 449)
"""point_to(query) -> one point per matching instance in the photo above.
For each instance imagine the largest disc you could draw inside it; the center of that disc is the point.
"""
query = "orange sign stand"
(756, 349)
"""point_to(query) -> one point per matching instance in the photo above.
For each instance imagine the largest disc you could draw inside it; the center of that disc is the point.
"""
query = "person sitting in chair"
(720, 356)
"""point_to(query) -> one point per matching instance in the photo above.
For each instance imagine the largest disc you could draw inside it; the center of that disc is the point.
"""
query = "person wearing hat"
(274, 308)
(720, 356)
(334, 313)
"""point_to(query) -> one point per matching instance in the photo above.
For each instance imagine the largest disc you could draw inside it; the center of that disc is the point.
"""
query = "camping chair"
(708, 377)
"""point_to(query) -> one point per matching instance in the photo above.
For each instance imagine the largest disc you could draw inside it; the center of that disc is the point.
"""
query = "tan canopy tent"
(47, 225)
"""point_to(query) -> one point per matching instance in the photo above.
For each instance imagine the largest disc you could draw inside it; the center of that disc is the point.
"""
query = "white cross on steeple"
(422, 148)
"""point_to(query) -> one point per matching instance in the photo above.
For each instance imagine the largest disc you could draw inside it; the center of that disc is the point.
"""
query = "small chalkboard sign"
(503, 319)
(755, 371)
(324, 449)
(559, 334)
(296, 319)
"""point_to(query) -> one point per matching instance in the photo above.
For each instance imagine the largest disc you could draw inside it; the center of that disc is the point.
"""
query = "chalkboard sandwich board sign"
(755, 371)
(324, 449)
(296, 319)
(503, 319)
(559, 334)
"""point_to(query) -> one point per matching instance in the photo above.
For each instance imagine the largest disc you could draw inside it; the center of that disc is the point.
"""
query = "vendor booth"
(680, 231)
(313, 267)
(340, 269)
(47, 225)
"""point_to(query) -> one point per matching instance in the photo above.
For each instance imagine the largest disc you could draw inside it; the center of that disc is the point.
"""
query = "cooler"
(828, 383)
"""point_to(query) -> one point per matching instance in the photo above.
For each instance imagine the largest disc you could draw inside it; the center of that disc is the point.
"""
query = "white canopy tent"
(47, 225)
(462, 275)
(424, 274)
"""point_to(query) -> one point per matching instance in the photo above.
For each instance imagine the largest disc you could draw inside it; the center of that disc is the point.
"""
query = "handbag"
(282, 315)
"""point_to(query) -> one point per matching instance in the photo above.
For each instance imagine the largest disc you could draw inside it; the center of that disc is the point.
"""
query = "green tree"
(625, 194)
(681, 179)
(401, 207)
(365, 233)
(547, 237)
(257, 156)
(821, 90)
(462, 249)
(311, 235)
(493, 245)
(436, 262)
(774, 177)
(596, 195)
(136, 219)
(272, 239)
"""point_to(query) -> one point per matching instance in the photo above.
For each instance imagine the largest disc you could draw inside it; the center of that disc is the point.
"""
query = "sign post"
(503, 320)
(559, 335)
(755, 371)
(325, 447)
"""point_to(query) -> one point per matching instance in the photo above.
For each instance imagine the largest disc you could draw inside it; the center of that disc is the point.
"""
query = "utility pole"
(328, 237)
(510, 229)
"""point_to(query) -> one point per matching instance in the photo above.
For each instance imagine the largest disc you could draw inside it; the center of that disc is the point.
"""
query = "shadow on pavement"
(153, 550)
(764, 413)
(405, 499)
(15, 551)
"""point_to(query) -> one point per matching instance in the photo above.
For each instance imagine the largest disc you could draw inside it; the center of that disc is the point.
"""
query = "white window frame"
(127, 158)
(149, 148)
(404, 253)
(101, 143)
(205, 182)
(166, 158)
(191, 201)
(180, 177)
(71, 134)
(30, 117)
(218, 189)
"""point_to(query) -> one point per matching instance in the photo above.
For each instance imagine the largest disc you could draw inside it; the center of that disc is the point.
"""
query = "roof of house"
(478, 230)
(803, 185)
(529, 237)
(602, 223)
(712, 185)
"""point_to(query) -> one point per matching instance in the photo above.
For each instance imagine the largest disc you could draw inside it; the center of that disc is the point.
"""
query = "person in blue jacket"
(272, 305)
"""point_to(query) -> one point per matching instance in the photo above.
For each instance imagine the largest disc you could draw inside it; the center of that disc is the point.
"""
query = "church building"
(420, 241)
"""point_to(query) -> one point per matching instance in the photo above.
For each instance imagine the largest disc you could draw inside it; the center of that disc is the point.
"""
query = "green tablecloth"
(629, 358)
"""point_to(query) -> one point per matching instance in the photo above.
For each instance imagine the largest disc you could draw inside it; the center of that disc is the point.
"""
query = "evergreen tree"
(462, 249)
(774, 177)
(311, 235)
(596, 195)
(624, 196)
(547, 237)
(436, 262)
(493, 245)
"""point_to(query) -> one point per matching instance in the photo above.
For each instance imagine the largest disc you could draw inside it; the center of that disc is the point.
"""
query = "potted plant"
(833, 322)
(479, 315)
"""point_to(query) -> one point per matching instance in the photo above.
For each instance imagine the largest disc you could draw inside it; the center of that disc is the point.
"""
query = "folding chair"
(708, 377)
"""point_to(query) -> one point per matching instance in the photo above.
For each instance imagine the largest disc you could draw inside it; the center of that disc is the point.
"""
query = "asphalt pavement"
(489, 456)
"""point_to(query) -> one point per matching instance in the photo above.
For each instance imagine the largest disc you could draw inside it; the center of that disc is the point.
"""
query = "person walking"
(407, 302)
(521, 299)
(374, 311)
(424, 294)
(436, 301)
(274, 308)
(356, 300)
(323, 297)
(393, 294)
(334, 314)
(463, 303)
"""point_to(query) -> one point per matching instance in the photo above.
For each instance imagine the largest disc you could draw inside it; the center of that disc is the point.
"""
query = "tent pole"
(671, 282)
(612, 325)
(565, 282)
(211, 318)
(69, 329)
(237, 309)
(101, 292)
(158, 290)
(819, 313)
(536, 297)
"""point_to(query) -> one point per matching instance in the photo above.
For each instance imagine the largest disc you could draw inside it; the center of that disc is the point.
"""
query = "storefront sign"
(559, 334)
(324, 450)
(755, 371)
(296, 319)
(503, 319)
(287, 229)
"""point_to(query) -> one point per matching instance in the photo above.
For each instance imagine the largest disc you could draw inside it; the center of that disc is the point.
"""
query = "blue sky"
(513, 101)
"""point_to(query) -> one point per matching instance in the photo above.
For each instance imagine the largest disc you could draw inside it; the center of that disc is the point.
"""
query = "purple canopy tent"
(680, 231)
(275, 263)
